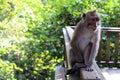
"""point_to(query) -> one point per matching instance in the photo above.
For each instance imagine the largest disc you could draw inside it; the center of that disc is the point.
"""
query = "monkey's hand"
(89, 66)
(89, 69)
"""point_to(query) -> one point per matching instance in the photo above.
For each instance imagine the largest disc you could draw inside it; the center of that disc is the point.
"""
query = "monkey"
(85, 42)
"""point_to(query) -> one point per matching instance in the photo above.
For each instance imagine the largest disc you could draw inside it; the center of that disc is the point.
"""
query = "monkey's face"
(93, 23)
(92, 20)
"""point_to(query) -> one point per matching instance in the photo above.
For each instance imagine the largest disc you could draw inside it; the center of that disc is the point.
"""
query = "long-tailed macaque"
(85, 42)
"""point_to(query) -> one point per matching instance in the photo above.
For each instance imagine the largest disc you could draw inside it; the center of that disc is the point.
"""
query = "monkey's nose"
(95, 24)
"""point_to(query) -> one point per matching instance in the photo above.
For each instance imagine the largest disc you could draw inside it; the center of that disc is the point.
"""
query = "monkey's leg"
(76, 57)
(87, 56)
(75, 61)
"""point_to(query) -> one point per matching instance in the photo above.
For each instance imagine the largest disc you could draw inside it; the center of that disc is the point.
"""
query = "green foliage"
(31, 43)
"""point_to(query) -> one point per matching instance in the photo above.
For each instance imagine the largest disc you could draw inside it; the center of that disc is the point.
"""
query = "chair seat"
(111, 73)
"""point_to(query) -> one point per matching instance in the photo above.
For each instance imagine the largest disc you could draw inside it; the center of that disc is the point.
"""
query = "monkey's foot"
(89, 69)
(79, 65)
(70, 71)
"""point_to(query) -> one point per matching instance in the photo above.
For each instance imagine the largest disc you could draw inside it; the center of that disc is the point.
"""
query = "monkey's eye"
(92, 19)
(97, 19)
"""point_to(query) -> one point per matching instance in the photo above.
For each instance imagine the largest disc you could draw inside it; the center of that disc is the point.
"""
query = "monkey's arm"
(95, 47)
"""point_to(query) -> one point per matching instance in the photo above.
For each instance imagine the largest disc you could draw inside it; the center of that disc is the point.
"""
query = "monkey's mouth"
(92, 27)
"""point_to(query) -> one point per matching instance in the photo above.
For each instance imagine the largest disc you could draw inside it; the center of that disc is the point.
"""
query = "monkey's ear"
(83, 15)
(94, 10)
